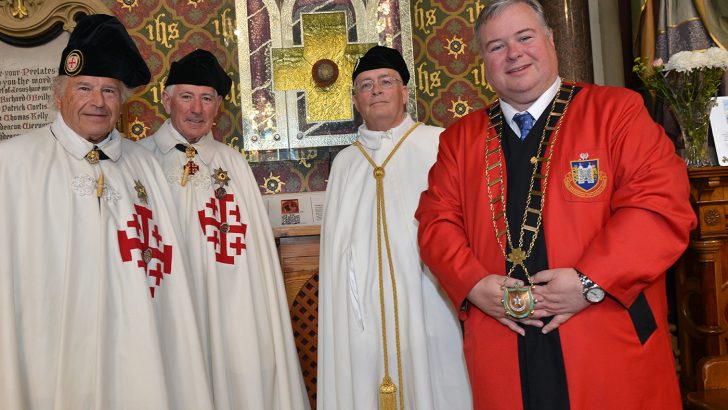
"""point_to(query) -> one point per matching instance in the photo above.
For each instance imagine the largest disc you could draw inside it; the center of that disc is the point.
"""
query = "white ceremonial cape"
(85, 322)
(350, 355)
(238, 283)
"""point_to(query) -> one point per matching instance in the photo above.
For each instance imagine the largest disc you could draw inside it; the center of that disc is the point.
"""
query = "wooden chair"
(714, 393)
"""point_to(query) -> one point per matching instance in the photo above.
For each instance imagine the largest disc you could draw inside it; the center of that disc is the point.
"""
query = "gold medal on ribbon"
(518, 301)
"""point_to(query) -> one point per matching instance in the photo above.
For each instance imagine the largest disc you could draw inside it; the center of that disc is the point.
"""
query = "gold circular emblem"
(73, 63)
(224, 227)
(220, 193)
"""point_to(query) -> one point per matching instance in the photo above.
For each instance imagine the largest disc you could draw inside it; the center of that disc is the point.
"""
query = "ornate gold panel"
(322, 67)
(296, 61)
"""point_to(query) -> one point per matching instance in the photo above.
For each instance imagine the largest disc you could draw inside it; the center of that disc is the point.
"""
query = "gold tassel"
(185, 174)
(387, 395)
(100, 185)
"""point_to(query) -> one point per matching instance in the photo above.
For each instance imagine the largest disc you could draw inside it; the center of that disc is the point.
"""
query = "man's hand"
(487, 295)
(560, 295)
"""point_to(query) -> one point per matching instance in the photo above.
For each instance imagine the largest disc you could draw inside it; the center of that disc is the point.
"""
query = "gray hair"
(58, 87)
(496, 7)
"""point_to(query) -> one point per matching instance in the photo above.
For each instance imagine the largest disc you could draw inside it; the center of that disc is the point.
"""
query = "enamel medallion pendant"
(518, 301)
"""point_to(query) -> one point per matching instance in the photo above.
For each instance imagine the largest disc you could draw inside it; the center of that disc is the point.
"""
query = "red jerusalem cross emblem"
(74, 62)
(228, 231)
(153, 255)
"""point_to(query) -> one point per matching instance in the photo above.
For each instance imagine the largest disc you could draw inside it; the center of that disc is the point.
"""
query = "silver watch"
(592, 292)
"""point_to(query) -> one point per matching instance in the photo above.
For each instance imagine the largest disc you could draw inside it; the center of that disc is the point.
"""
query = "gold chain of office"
(518, 301)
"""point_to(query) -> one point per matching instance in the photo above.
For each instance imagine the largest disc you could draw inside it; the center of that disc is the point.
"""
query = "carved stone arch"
(34, 22)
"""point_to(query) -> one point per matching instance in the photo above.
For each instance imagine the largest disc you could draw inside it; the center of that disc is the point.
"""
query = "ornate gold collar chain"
(518, 301)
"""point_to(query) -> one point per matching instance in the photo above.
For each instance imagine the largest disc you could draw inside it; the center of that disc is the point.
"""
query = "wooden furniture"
(298, 249)
(702, 276)
(713, 384)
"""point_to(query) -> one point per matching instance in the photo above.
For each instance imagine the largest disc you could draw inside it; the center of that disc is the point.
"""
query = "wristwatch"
(592, 292)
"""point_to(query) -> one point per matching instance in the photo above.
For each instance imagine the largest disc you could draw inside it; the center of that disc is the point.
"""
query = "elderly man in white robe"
(95, 304)
(387, 336)
(238, 284)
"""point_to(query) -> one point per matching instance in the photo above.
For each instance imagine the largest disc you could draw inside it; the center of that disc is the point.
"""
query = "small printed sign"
(719, 124)
(302, 209)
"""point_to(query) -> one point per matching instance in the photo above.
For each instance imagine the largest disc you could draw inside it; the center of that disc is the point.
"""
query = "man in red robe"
(550, 219)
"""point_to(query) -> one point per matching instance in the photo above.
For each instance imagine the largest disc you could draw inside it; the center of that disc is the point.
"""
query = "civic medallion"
(518, 301)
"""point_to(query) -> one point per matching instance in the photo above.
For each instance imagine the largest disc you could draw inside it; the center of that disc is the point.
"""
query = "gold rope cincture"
(518, 301)
(387, 390)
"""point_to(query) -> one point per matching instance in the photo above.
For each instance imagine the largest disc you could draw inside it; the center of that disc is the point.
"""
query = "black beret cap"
(382, 57)
(200, 67)
(100, 46)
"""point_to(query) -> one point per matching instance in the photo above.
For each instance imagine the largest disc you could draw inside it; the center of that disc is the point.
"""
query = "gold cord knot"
(93, 156)
(378, 172)
(387, 386)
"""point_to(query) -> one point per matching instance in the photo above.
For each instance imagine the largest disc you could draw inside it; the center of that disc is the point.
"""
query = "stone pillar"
(570, 22)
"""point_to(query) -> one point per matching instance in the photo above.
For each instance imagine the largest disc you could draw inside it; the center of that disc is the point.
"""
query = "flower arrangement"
(688, 84)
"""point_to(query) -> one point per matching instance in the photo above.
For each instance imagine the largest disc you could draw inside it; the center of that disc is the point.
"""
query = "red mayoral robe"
(623, 229)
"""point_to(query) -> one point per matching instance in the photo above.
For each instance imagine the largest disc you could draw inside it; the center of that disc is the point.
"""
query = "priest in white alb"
(387, 337)
(238, 284)
(95, 302)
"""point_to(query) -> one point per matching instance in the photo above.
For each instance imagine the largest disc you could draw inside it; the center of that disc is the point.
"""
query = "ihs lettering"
(474, 10)
(233, 96)
(163, 31)
(225, 26)
(426, 80)
(479, 77)
(424, 19)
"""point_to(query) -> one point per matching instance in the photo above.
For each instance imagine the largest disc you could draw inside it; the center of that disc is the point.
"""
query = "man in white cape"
(95, 304)
(422, 329)
(238, 284)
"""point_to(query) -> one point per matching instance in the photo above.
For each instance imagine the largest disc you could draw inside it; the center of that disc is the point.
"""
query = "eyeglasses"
(367, 86)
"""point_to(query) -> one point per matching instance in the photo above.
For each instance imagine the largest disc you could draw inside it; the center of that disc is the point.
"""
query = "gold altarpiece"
(296, 59)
